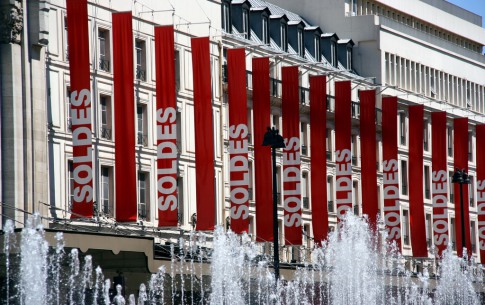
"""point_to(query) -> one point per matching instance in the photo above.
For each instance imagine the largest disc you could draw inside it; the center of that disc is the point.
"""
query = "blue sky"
(475, 6)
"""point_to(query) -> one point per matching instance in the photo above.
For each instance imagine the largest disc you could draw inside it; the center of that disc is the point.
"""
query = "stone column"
(12, 132)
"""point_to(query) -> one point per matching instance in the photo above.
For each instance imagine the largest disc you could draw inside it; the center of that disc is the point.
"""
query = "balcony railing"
(106, 133)
(331, 207)
(306, 203)
(104, 64)
(142, 139)
(304, 150)
(140, 74)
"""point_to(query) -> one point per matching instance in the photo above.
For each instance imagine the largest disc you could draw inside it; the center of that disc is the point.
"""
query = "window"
(143, 208)
(276, 122)
(328, 139)
(284, 37)
(471, 191)
(105, 105)
(305, 190)
(66, 55)
(450, 141)
(473, 236)
(316, 43)
(265, 29)
(353, 148)
(278, 180)
(70, 194)
(452, 187)
(104, 50)
(404, 177)
(304, 139)
(245, 22)
(142, 138)
(250, 182)
(306, 236)
(355, 191)
(426, 135)
(427, 187)
(405, 227)
(226, 17)
(333, 53)
(177, 70)
(180, 193)
(470, 147)
(301, 46)
(453, 234)
(140, 53)
(68, 109)
(429, 230)
(105, 206)
(330, 194)
(402, 127)
(349, 58)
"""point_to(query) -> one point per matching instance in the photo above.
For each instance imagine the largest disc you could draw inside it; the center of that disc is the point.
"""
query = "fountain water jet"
(352, 267)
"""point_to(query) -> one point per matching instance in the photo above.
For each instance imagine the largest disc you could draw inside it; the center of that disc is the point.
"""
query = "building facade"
(397, 50)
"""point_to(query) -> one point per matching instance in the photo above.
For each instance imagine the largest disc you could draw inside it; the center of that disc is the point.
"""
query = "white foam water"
(354, 266)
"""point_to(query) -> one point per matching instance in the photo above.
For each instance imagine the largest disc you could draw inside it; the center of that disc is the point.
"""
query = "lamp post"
(461, 177)
(275, 140)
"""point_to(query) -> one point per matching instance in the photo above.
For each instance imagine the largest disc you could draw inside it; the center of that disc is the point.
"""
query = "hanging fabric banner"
(167, 150)
(238, 140)
(123, 76)
(392, 205)
(318, 121)
(368, 160)
(78, 41)
(439, 180)
(480, 153)
(343, 153)
(262, 154)
(204, 137)
(416, 198)
(460, 148)
(291, 156)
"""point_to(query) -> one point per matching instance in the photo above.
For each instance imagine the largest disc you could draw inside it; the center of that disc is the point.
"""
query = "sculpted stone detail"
(11, 24)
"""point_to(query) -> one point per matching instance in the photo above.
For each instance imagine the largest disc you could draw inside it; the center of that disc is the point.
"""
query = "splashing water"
(354, 266)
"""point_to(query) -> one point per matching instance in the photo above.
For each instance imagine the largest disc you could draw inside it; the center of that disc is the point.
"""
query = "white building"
(425, 52)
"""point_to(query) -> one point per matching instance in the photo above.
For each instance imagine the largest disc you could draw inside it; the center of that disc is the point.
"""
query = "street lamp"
(461, 177)
(275, 140)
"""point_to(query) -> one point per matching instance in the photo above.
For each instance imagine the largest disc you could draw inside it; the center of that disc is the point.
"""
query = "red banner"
(291, 156)
(460, 147)
(78, 40)
(204, 137)
(318, 121)
(439, 180)
(416, 199)
(125, 170)
(262, 154)
(368, 160)
(238, 140)
(480, 153)
(342, 148)
(392, 205)
(167, 150)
